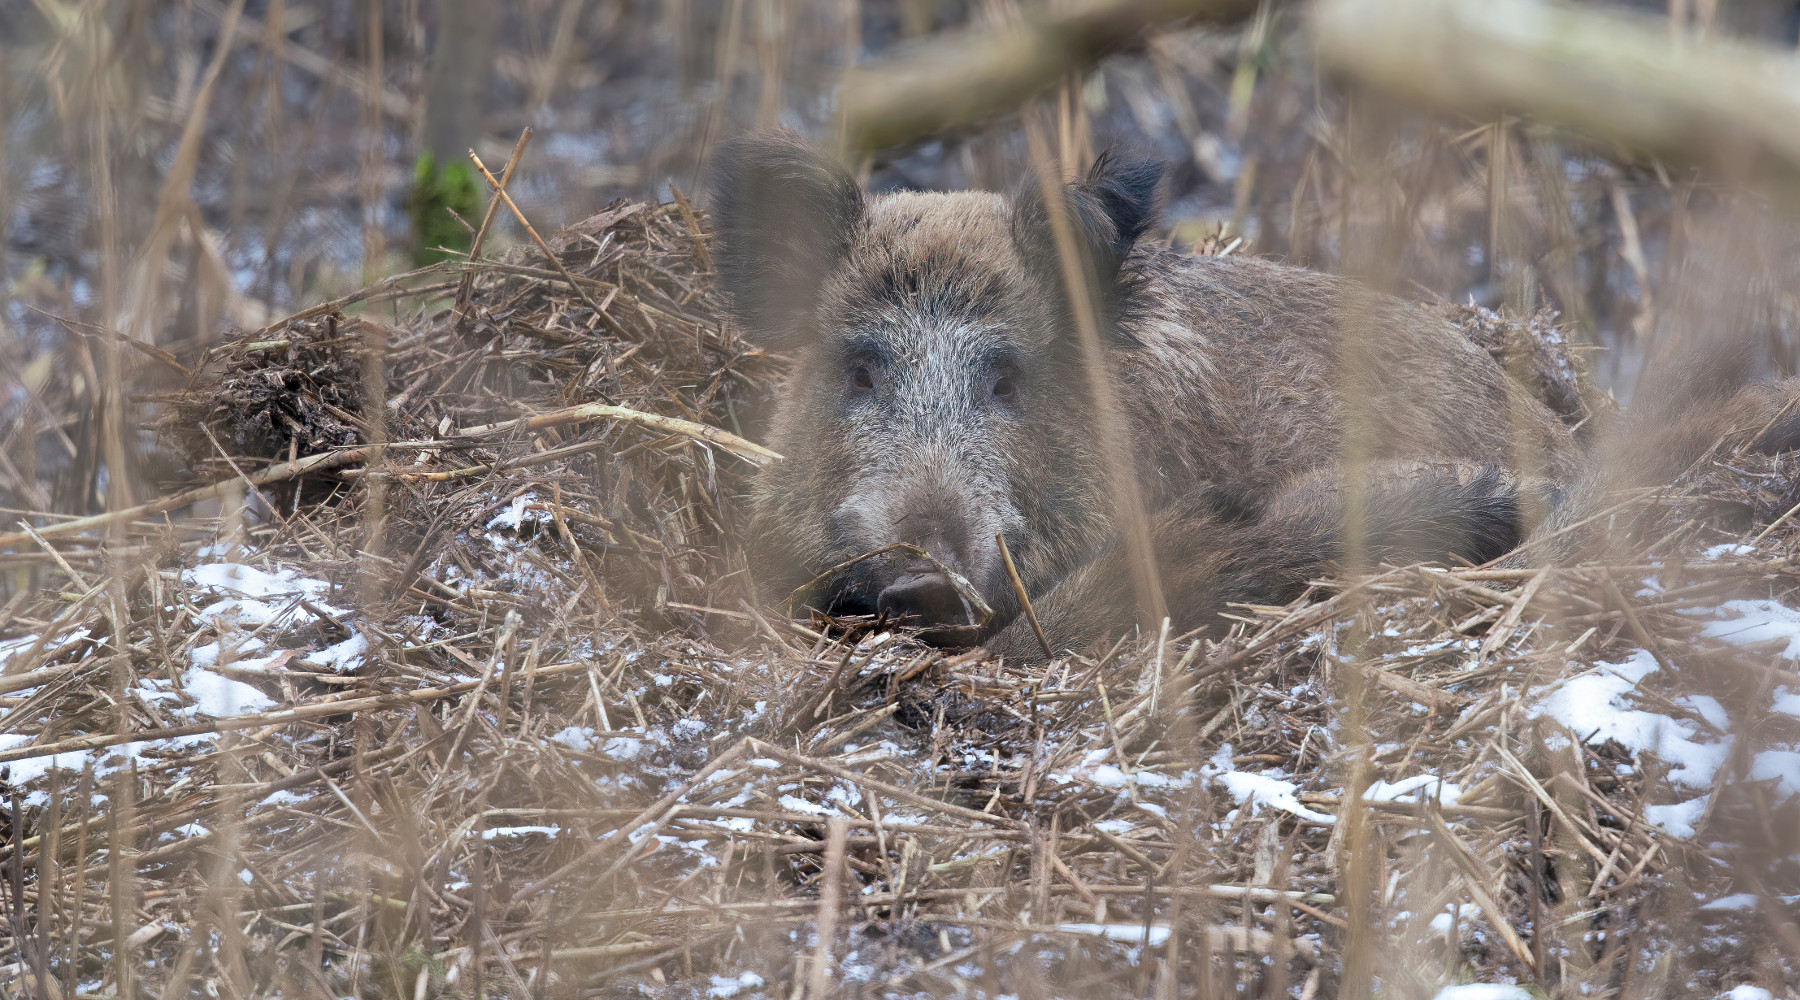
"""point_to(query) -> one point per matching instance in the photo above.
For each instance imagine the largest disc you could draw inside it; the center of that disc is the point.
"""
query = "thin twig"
(1012, 573)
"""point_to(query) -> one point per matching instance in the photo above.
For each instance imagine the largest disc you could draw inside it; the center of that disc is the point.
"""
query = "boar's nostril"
(926, 599)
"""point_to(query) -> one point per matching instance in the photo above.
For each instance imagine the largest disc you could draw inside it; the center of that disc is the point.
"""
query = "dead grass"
(527, 735)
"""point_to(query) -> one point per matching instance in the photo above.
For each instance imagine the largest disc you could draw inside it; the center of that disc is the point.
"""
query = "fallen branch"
(1618, 77)
(745, 449)
(977, 75)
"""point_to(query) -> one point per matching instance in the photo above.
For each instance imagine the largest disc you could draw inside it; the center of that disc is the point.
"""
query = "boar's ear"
(787, 216)
(1111, 208)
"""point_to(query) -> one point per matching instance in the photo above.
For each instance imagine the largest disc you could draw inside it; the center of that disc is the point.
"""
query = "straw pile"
(479, 703)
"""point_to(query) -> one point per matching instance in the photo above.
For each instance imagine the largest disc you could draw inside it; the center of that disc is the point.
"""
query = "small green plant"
(398, 975)
(436, 192)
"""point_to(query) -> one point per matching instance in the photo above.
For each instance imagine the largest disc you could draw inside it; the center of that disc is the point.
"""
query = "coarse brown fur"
(937, 397)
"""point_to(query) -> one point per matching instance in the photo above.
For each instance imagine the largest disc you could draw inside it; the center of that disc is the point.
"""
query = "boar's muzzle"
(920, 586)
(926, 599)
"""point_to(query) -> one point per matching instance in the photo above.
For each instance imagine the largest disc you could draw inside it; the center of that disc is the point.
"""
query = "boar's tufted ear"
(1111, 208)
(787, 216)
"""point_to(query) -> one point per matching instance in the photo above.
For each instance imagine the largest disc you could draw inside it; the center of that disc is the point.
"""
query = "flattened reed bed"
(480, 702)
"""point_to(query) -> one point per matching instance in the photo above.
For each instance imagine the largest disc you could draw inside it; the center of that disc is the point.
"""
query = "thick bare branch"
(1617, 77)
(977, 75)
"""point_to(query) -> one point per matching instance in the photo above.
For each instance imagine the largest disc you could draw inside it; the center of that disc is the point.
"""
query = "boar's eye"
(861, 377)
(1004, 387)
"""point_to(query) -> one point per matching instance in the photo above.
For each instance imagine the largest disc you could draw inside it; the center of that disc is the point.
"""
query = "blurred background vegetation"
(170, 171)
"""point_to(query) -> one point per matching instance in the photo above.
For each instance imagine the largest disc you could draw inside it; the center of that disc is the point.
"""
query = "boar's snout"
(907, 586)
(927, 599)
(920, 592)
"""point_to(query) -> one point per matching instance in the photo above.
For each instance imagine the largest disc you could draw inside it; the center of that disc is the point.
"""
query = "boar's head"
(936, 395)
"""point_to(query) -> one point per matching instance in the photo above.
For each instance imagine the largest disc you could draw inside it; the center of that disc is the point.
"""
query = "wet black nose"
(926, 599)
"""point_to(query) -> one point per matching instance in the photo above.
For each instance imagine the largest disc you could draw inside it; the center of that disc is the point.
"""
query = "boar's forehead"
(937, 275)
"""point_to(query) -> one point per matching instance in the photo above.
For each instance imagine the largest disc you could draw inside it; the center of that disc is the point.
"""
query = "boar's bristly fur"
(936, 397)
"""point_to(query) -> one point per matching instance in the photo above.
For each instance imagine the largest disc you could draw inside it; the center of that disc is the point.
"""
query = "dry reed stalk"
(467, 285)
(1111, 433)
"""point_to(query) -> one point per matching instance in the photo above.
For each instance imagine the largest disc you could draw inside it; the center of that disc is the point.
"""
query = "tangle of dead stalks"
(532, 733)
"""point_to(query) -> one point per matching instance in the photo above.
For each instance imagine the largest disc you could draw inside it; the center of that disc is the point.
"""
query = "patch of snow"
(1728, 549)
(248, 581)
(1483, 991)
(10, 648)
(1787, 702)
(1108, 776)
(156, 690)
(1747, 992)
(1592, 705)
(1708, 708)
(515, 514)
(726, 986)
(220, 696)
(689, 728)
(241, 613)
(1758, 621)
(1678, 819)
(105, 761)
(1423, 648)
(1781, 766)
(575, 737)
(1265, 790)
(342, 657)
(1116, 827)
(1736, 901)
(1418, 788)
(623, 748)
(1461, 913)
(794, 803)
(844, 794)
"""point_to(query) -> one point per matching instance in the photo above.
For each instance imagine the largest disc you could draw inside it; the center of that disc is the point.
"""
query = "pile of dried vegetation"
(451, 683)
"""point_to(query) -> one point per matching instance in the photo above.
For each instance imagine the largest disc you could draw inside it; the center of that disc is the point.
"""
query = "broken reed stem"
(466, 287)
(1012, 573)
(555, 261)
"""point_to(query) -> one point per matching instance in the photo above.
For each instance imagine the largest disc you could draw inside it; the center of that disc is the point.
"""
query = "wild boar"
(937, 397)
